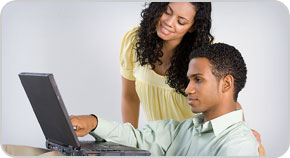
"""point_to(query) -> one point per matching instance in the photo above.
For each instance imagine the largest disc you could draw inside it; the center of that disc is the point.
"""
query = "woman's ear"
(192, 29)
(228, 83)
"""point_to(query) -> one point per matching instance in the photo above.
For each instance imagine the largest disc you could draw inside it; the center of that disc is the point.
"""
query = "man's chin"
(195, 110)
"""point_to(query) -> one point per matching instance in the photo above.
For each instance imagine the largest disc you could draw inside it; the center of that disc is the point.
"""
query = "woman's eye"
(180, 23)
(167, 11)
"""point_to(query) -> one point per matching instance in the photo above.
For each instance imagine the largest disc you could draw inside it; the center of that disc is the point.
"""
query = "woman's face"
(176, 21)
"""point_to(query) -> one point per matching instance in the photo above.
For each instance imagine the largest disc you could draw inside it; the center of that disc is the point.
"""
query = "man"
(216, 74)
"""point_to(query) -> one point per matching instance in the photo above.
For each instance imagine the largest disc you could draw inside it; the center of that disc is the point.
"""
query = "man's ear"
(228, 83)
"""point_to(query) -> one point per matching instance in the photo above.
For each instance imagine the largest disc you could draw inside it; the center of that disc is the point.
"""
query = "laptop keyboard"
(97, 146)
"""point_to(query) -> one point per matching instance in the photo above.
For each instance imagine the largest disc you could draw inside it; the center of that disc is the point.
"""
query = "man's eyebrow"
(178, 16)
(194, 75)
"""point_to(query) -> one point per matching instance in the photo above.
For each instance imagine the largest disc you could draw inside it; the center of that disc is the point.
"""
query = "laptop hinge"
(50, 142)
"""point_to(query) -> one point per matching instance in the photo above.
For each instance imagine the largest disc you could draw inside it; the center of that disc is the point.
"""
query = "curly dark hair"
(225, 60)
(149, 45)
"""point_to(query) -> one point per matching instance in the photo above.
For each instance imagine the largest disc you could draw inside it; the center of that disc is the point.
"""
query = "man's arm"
(155, 137)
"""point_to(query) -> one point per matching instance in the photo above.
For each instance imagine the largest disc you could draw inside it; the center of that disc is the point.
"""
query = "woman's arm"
(130, 102)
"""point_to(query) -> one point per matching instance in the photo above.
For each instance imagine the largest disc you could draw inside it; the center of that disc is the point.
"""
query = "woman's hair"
(149, 45)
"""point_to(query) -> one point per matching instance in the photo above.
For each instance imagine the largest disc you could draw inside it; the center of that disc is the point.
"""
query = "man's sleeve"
(155, 137)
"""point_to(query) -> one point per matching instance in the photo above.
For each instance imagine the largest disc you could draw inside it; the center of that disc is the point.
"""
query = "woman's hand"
(261, 149)
(257, 135)
(83, 124)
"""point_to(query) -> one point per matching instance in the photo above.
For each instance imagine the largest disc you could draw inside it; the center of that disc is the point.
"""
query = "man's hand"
(83, 124)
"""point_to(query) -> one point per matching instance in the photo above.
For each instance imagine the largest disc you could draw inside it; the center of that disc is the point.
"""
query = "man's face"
(203, 89)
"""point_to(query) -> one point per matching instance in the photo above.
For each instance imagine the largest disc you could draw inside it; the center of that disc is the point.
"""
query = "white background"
(80, 43)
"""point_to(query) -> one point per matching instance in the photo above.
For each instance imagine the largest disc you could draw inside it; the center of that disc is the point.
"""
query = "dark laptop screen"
(49, 108)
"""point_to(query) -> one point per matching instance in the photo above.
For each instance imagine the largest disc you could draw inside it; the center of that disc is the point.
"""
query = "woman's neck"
(168, 49)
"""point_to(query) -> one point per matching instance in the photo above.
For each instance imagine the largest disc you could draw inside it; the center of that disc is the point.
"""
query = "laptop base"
(101, 149)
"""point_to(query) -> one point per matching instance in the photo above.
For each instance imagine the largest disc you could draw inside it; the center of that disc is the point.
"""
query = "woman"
(154, 59)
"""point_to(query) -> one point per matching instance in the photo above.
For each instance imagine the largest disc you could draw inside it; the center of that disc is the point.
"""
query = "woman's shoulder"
(214, 42)
(129, 41)
(127, 53)
(131, 35)
(134, 29)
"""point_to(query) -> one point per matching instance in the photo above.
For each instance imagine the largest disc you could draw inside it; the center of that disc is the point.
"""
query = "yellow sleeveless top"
(159, 101)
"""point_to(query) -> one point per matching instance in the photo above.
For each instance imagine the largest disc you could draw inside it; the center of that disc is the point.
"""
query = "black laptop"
(47, 104)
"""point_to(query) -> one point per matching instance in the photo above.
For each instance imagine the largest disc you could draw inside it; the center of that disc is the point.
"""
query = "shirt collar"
(218, 124)
(199, 124)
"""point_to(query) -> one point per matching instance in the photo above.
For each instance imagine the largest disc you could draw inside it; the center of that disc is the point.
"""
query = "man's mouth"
(192, 101)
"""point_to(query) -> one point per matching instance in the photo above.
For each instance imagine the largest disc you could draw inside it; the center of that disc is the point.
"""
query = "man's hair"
(225, 60)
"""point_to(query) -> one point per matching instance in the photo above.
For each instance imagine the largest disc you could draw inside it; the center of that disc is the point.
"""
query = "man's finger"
(80, 133)
(74, 122)
(77, 133)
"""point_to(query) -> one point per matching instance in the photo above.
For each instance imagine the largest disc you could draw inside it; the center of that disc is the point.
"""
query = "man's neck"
(219, 110)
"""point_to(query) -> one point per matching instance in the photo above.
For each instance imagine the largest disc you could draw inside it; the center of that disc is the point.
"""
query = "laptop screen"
(49, 108)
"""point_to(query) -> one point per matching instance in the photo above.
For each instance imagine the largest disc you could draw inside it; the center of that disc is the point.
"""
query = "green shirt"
(227, 135)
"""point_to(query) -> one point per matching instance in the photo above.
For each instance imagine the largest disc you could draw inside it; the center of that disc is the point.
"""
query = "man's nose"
(190, 88)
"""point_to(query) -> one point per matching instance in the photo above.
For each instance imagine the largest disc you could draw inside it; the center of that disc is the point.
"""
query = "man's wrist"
(96, 122)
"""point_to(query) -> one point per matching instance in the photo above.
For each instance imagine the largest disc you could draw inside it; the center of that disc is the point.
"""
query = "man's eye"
(198, 80)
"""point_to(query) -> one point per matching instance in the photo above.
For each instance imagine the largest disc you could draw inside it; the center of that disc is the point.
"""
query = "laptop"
(50, 111)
